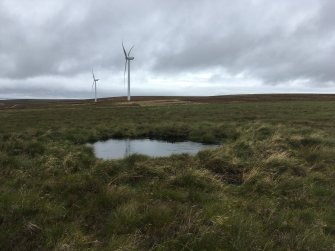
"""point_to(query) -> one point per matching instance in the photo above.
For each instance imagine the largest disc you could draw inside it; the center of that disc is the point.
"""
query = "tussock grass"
(269, 186)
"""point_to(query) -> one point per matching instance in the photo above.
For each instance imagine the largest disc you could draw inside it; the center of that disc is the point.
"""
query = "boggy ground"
(270, 186)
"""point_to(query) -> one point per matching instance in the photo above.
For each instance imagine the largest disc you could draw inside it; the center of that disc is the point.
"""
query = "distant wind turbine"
(128, 59)
(95, 80)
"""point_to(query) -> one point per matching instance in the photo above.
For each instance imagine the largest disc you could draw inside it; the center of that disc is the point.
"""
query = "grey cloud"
(273, 41)
(259, 44)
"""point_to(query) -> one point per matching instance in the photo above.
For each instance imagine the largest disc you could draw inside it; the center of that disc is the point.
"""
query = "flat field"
(269, 186)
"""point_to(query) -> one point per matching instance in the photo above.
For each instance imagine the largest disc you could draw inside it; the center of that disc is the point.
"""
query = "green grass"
(269, 186)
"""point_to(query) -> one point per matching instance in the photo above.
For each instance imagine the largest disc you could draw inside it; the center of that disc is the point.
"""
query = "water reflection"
(120, 148)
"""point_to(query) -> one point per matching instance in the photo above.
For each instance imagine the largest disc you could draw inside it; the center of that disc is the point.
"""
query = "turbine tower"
(128, 59)
(95, 80)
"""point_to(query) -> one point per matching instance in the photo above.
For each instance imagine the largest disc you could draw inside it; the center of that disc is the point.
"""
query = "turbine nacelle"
(130, 58)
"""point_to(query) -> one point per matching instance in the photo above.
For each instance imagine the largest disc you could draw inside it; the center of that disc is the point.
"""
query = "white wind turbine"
(95, 80)
(128, 59)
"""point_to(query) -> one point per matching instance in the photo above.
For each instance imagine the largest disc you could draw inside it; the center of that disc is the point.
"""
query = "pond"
(121, 148)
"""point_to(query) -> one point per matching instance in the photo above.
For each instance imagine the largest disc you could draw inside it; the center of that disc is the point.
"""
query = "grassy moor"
(269, 186)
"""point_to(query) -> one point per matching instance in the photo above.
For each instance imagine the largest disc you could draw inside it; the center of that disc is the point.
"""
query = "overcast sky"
(188, 47)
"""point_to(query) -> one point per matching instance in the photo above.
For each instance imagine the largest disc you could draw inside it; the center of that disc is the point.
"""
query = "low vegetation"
(269, 186)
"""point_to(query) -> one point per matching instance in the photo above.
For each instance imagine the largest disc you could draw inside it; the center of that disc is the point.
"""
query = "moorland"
(270, 185)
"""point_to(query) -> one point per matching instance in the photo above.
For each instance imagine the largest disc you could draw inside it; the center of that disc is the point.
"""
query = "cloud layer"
(215, 45)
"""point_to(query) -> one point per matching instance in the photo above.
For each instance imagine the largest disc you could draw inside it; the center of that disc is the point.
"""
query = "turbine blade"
(93, 83)
(93, 74)
(124, 50)
(130, 50)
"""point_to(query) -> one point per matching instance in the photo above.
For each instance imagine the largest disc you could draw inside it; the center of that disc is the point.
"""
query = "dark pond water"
(121, 148)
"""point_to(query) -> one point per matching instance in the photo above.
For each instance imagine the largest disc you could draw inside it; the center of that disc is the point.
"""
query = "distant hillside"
(37, 103)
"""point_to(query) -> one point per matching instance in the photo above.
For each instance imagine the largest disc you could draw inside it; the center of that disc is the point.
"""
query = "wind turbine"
(95, 80)
(128, 59)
